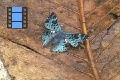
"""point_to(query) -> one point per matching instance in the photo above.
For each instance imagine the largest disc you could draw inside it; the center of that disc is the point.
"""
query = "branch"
(87, 44)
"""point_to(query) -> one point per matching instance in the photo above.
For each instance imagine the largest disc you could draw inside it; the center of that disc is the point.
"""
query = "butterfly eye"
(52, 31)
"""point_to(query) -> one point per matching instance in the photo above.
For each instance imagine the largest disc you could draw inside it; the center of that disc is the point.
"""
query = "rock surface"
(3, 72)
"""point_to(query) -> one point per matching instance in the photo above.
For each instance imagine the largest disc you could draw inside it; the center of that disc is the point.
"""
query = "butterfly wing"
(47, 37)
(52, 23)
(60, 47)
(76, 39)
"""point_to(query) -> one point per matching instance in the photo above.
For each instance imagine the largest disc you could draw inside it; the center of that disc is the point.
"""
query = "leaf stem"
(89, 53)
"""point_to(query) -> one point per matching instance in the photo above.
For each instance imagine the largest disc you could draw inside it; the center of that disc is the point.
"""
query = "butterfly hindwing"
(60, 47)
(47, 36)
(52, 23)
(76, 39)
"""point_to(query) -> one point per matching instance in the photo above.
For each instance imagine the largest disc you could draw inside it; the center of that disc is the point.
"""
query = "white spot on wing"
(66, 40)
(52, 31)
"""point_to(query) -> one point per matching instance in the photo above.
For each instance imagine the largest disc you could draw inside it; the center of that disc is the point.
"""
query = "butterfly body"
(60, 34)
(58, 37)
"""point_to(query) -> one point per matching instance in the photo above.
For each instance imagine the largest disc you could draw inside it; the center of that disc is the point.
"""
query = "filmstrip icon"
(17, 17)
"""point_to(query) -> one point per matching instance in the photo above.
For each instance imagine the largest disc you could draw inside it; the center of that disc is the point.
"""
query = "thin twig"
(111, 42)
(87, 44)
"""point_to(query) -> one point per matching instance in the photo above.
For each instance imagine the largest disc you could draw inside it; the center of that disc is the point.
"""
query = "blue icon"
(17, 17)
(16, 9)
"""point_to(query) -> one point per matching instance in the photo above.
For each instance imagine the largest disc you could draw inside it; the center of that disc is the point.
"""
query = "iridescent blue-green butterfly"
(58, 37)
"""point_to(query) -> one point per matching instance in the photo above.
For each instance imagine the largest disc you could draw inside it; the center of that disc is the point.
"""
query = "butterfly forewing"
(52, 23)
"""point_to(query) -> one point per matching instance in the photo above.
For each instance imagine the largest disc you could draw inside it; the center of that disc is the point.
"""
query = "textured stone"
(3, 72)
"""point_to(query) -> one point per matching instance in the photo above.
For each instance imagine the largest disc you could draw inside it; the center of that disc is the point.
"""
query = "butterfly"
(59, 39)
